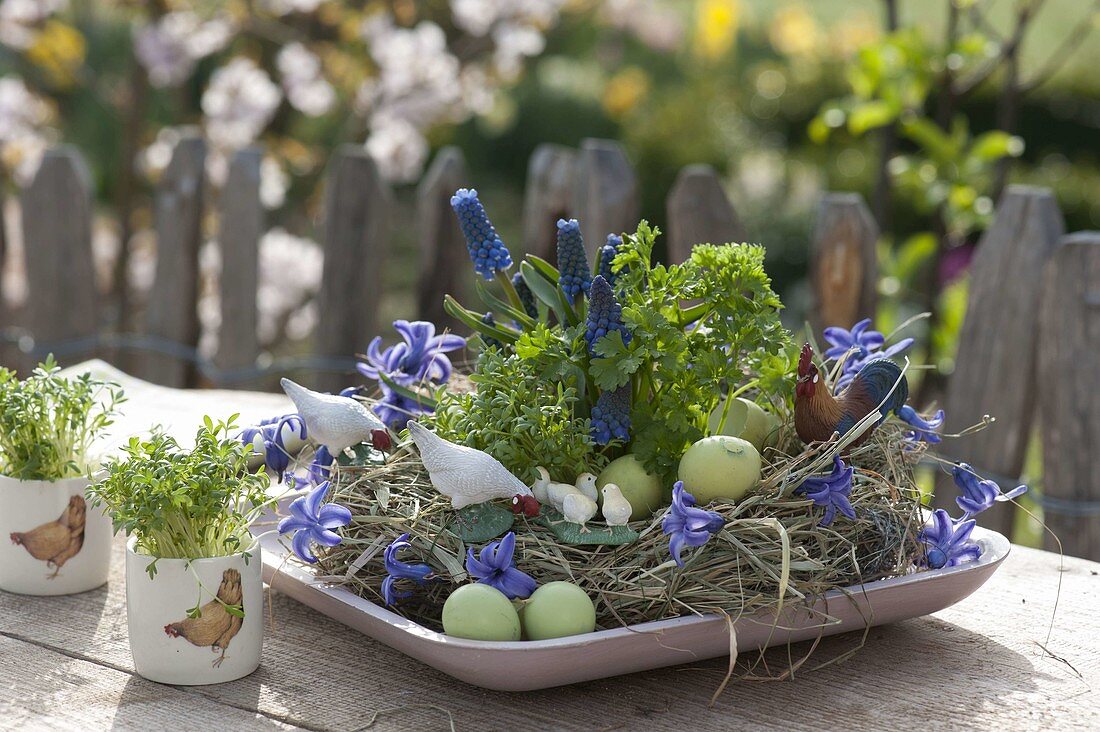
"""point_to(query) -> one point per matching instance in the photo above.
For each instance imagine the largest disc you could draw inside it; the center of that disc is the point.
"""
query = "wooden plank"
(1068, 383)
(241, 226)
(61, 690)
(317, 673)
(57, 249)
(357, 210)
(699, 212)
(605, 192)
(843, 261)
(172, 314)
(995, 366)
(548, 196)
(444, 260)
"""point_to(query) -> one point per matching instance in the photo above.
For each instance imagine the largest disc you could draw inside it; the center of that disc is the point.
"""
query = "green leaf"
(544, 268)
(423, 400)
(549, 293)
(993, 146)
(494, 303)
(473, 321)
(235, 610)
(869, 115)
(481, 522)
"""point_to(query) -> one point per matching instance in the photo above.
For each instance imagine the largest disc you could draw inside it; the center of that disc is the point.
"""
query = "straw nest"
(771, 554)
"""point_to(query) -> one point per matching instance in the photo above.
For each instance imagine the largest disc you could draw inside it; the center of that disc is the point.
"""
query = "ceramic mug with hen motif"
(195, 621)
(51, 541)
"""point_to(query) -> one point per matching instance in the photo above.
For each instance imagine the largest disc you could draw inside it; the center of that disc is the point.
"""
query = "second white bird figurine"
(463, 474)
(578, 508)
(616, 509)
(337, 422)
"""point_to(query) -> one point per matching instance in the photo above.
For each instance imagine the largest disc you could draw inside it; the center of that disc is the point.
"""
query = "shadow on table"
(147, 705)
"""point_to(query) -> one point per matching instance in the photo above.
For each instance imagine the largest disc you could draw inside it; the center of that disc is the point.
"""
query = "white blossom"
(170, 48)
(20, 18)
(274, 182)
(24, 135)
(238, 103)
(657, 25)
(286, 7)
(478, 17)
(306, 89)
(398, 147)
(290, 270)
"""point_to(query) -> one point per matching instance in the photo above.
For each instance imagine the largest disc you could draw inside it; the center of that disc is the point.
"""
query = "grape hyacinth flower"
(687, 525)
(611, 416)
(421, 358)
(574, 275)
(486, 248)
(398, 570)
(605, 314)
(977, 494)
(948, 541)
(924, 430)
(861, 345)
(490, 342)
(525, 295)
(493, 566)
(831, 491)
(311, 522)
(607, 256)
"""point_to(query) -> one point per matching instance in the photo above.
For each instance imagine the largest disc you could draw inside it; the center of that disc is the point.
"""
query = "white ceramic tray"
(527, 665)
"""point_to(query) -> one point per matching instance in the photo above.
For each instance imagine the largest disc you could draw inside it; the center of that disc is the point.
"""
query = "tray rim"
(277, 560)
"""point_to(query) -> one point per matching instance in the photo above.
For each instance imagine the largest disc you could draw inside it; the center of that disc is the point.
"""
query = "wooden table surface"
(65, 664)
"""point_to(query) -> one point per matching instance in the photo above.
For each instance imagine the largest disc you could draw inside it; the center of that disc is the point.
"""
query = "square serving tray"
(527, 665)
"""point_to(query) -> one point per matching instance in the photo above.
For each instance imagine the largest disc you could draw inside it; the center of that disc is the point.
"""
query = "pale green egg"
(720, 467)
(639, 488)
(556, 610)
(747, 420)
(480, 612)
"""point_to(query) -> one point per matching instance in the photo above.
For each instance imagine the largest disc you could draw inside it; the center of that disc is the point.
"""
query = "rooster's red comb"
(806, 360)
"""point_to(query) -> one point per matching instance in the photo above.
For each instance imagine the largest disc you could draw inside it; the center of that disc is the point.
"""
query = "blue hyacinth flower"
(574, 276)
(312, 521)
(486, 249)
(687, 525)
(398, 570)
(831, 491)
(924, 430)
(493, 566)
(525, 295)
(947, 542)
(605, 314)
(861, 346)
(607, 256)
(611, 416)
(979, 495)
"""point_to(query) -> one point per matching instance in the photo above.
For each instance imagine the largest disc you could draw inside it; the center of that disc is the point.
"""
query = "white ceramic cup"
(170, 648)
(52, 542)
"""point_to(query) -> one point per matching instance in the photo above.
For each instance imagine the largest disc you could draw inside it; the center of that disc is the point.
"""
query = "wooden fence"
(1031, 336)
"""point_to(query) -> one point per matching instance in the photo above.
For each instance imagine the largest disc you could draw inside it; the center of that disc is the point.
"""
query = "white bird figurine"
(616, 509)
(578, 508)
(463, 474)
(541, 486)
(586, 484)
(337, 422)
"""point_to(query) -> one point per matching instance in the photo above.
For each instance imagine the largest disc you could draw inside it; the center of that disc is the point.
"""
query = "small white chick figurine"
(541, 485)
(616, 509)
(586, 484)
(463, 474)
(337, 422)
(578, 509)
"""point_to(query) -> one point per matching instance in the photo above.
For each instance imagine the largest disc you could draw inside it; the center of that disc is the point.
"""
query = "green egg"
(639, 488)
(747, 420)
(720, 467)
(480, 612)
(556, 610)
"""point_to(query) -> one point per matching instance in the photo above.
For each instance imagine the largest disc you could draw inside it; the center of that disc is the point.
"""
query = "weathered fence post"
(356, 240)
(605, 194)
(57, 248)
(548, 196)
(172, 315)
(699, 212)
(843, 262)
(1068, 386)
(995, 365)
(241, 226)
(443, 253)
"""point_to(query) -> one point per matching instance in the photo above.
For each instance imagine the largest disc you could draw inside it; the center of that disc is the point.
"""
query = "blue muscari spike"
(486, 249)
(605, 314)
(574, 276)
(607, 255)
(611, 416)
(525, 295)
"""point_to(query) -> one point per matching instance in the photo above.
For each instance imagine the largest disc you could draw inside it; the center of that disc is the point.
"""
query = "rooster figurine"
(818, 414)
